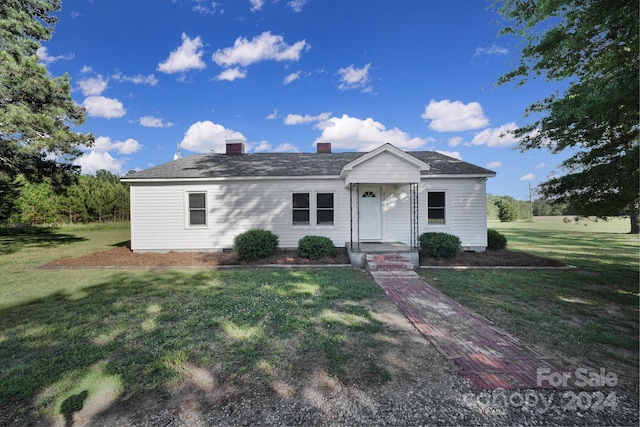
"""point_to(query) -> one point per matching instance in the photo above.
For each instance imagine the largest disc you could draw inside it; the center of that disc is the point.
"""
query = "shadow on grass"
(146, 333)
(15, 239)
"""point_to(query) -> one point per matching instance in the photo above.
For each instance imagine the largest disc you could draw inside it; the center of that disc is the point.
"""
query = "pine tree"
(36, 110)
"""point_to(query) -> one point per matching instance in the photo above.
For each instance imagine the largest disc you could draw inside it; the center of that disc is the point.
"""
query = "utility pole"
(530, 204)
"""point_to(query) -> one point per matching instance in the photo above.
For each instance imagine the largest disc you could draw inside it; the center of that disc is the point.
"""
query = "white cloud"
(273, 115)
(45, 58)
(292, 77)
(94, 161)
(207, 8)
(492, 50)
(100, 106)
(454, 154)
(355, 78)
(542, 165)
(494, 165)
(364, 135)
(496, 137)
(256, 5)
(262, 146)
(527, 177)
(455, 141)
(297, 5)
(188, 56)
(448, 116)
(153, 122)
(231, 74)
(286, 148)
(297, 119)
(202, 137)
(264, 47)
(137, 79)
(129, 146)
(104, 144)
(93, 86)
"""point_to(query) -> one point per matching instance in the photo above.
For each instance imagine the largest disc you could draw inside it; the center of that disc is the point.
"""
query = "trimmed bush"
(255, 244)
(495, 240)
(440, 245)
(314, 247)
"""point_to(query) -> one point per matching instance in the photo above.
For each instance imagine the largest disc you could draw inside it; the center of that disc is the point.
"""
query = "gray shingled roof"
(288, 164)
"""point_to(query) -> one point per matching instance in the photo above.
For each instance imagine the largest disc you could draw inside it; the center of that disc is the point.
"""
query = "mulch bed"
(124, 257)
(493, 258)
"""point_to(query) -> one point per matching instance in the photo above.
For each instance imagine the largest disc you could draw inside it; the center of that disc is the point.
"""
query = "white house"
(201, 202)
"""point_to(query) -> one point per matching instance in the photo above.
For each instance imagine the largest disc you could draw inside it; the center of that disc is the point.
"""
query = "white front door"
(370, 213)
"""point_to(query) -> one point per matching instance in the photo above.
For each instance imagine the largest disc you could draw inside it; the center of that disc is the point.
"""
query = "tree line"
(507, 209)
(99, 198)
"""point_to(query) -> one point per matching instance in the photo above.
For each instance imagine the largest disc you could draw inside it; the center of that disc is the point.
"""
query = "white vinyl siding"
(158, 214)
(466, 209)
(385, 168)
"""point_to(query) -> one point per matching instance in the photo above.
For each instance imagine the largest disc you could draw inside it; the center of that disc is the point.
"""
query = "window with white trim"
(313, 209)
(301, 209)
(197, 209)
(324, 208)
(436, 208)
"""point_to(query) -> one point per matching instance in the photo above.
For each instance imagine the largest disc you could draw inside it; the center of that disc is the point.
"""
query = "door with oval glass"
(370, 213)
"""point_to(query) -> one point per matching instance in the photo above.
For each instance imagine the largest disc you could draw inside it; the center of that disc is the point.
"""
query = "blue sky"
(284, 74)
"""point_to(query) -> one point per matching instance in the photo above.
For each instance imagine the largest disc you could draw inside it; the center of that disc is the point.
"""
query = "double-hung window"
(301, 209)
(436, 207)
(324, 208)
(197, 209)
(313, 208)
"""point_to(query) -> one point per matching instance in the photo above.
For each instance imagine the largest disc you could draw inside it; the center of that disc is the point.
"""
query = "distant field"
(557, 223)
(600, 245)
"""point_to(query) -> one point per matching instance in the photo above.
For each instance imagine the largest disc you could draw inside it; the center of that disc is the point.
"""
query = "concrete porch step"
(388, 262)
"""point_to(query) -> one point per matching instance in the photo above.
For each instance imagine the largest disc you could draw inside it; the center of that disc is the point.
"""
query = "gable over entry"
(367, 179)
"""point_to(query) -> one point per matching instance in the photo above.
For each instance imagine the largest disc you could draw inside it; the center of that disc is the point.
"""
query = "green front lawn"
(71, 335)
(88, 338)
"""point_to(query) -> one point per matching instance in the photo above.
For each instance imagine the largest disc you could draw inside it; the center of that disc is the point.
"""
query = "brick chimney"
(324, 147)
(235, 146)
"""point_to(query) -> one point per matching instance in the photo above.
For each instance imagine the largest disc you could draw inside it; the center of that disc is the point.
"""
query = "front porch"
(358, 251)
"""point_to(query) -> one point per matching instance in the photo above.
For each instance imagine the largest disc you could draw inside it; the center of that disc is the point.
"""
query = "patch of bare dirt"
(124, 257)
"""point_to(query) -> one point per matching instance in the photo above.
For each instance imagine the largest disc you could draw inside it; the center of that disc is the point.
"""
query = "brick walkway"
(489, 357)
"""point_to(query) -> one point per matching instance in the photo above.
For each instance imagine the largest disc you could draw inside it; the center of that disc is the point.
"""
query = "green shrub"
(440, 245)
(507, 211)
(314, 247)
(495, 240)
(255, 244)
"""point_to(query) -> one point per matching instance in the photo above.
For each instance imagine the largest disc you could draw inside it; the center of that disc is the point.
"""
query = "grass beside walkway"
(107, 336)
(590, 312)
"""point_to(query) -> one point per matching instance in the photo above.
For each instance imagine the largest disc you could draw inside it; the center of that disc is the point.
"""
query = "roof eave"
(222, 179)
